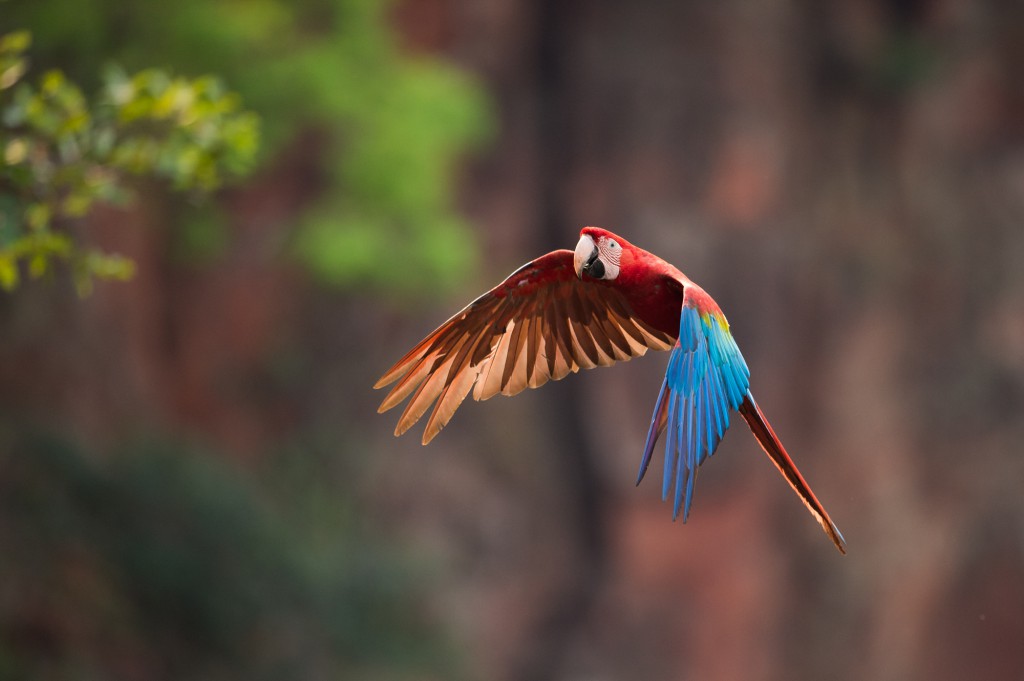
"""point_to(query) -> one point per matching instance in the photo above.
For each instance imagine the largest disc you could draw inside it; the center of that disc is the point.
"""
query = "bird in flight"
(608, 301)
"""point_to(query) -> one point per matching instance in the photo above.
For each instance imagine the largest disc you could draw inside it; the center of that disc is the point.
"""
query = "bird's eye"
(613, 244)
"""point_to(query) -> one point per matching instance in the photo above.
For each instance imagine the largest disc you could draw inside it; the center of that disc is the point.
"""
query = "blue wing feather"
(653, 431)
(670, 460)
(706, 378)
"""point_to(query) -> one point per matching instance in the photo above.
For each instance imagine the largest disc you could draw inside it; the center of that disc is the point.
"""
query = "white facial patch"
(609, 251)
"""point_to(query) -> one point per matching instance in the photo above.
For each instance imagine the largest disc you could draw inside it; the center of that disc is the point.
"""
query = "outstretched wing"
(540, 324)
(706, 378)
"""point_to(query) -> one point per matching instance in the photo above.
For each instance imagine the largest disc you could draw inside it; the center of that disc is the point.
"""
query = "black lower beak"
(594, 267)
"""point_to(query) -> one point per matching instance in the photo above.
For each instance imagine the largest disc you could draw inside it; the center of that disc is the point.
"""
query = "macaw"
(605, 302)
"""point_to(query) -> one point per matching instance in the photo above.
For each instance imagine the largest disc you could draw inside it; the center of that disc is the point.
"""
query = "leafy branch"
(61, 154)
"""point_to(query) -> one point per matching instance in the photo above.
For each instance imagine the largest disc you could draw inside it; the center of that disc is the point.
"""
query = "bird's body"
(607, 301)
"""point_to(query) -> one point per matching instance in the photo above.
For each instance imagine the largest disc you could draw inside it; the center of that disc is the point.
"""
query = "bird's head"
(598, 254)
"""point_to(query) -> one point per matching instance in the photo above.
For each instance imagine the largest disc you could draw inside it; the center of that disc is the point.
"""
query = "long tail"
(770, 443)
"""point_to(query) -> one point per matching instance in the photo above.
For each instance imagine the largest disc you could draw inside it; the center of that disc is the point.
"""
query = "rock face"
(846, 178)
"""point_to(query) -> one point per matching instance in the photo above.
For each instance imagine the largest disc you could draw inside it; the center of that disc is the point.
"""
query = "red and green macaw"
(607, 301)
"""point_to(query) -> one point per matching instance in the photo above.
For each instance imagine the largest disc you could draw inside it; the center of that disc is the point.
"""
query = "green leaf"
(15, 151)
(8, 272)
(77, 203)
(37, 216)
(15, 42)
(11, 71)
(38, 264)
(110, 266)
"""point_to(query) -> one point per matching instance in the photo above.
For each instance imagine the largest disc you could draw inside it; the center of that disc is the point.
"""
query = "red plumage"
(608, 301)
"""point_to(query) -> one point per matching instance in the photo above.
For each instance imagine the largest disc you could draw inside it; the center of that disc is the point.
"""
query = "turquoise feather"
(707, 377)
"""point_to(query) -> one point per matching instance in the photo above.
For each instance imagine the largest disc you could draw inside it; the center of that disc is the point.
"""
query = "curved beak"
(585, 255)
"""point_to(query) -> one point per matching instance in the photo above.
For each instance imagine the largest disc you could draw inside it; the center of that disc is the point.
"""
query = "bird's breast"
(657, 300)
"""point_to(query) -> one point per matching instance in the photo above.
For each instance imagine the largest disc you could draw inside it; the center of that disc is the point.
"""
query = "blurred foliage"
(62, 154)
(157, 561)
(161, 562)
(396, 123)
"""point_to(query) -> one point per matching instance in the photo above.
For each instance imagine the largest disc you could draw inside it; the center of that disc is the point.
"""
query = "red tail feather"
(772, 446)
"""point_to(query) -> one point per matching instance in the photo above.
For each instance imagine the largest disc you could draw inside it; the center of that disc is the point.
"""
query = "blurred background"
(194, 483)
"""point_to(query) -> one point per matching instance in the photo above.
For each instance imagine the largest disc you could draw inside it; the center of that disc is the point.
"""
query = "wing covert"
(542, 323)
